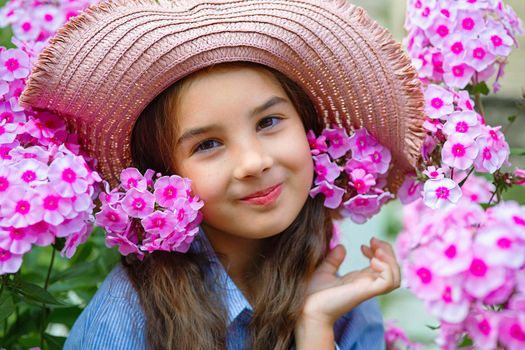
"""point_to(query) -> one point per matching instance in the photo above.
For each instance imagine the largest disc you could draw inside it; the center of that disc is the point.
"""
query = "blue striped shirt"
(114, 318)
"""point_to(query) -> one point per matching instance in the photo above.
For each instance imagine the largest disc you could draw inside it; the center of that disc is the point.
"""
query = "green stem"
(479, 104)
(44, 308)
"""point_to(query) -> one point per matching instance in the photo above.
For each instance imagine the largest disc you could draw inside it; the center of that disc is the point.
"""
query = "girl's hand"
(329, 297)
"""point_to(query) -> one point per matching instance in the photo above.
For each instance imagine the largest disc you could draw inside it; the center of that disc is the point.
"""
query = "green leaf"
(7, 307)
(73, 271)
(34, 292)
(54, 343)
(520, 152)
(466, 341)
(512, 118)
(481, 88)
(28, 321)
(434, 328)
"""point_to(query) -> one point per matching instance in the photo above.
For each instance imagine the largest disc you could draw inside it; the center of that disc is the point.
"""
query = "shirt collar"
(234, 300)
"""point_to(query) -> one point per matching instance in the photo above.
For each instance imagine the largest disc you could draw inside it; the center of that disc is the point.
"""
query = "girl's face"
(243, 145)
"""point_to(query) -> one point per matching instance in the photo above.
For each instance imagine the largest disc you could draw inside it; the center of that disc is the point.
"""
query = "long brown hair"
(181, 307)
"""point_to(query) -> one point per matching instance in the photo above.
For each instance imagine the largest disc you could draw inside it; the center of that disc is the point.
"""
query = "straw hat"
(104, 67)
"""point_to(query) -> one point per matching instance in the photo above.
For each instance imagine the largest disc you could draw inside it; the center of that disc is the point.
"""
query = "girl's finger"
(367, 251)
(392, 263)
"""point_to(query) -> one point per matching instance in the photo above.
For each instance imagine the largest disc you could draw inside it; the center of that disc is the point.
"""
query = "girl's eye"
(205, 146)
(268, 122)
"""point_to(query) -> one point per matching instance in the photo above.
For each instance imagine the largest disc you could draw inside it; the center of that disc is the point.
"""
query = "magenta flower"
(56, 208)
(380, 157)
(360, 143)
(73, 241)
(14, 64)
(365, 165)
(362, 207)
(67, 175)
(482, 278)
(138, 204)
(464, 122)
(112, 219)
(20, 209)
(439, 101)
(440, 194)
(317, 145)
(361, 181)
(410, 190)
(459, 151)
(333, 194)
(338, 142)
(325, 169)
(169, 189)
(160, 223)
(125, 245)
(9, 262)
(482, 326)
(16, 240)
(132, 178)
(421, 278)
(512, 330)
(32, 172)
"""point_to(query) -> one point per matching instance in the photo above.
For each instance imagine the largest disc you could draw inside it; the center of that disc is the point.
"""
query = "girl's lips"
(263, 197)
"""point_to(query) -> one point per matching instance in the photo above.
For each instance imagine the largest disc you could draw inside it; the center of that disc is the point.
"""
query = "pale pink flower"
(325, 169)
(132, 178)
(8, 132)
(483, 328)
(420, 276)
(497, 38)
(169, 189)
(482, 278)
(338, 142)
(477, 189)
(34, 152)
(43, 232)
(20, 209)
(459, 151)
(353, 164)
(67, 175)
(469, 23)
(464, 122)
(455, 48)
(440, 194)
(502, 247)
(380, 157)
(9, 262)
(453, 252)
(16, 240)
(492, 155)
(32, 172)
(332, 193)
(50, 17)
(452, 306)
(361, 181)
(478, 55)
(14, 64)
(160, 223)
(439, 101)
(138, 204)
(74, 240)
(125, 245)
(434, 173)
(457, 75)
(8, 177)
(56, 208)
(463, 101)
(112, 219)
(512, 330)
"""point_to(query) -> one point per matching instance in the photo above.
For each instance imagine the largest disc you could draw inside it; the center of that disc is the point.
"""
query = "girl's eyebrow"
(191, 133)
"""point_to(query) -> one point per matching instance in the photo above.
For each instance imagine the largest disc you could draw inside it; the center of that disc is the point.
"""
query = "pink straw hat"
(106, 65)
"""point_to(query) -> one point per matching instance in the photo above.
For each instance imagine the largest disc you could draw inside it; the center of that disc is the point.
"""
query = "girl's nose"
(251, 161)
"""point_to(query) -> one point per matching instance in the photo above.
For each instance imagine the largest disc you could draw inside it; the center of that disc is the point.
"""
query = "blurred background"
(401, 305)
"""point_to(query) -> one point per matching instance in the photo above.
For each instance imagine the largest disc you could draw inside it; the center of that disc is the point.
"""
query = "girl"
(228, 106)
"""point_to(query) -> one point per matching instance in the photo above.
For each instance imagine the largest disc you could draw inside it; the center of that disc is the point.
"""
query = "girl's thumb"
(333, 260)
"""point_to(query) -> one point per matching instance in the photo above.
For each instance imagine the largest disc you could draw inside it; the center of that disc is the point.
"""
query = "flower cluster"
(457, 140)
(166, 211)
(46, 183)
(396, 339)
(350, 172)
(461, 41)
(468, 266)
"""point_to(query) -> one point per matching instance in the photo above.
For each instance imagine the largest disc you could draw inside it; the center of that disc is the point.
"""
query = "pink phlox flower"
(477, 189)
(26, 29)
(45, 126)
(463, 101)
(138, 204)
(502, 294)
(325, 169)
(429, 145)
(469, 23)
(479, 57)
(497, 38)
(160, 223)
(459, 151)
(332, 193)
(454, 252)
(440, 30)
(410, 190)
(14, 64)
(362, 207)
(439, 194)
(352, 164)
(512, 330)
(420, 276)
(132, 178)
(423, 16)
(361, 181)
(9, 262)
(455, 48)
(34, 152)
(50, 17)
(338, 142)
(82, 202)
(493, 150)
(4, 88)
(8, 177)
(317, 145)
(20, 208)
(457, 75)
(183, 212)
(16, 240)
(396, 339)
(519, 174)
(360, 143)
(439, 101)
(113, 219)
(44, 233)
(8, 132)
(148, 175)
(432, 125)
(434, 173)
(108, 196)
(502, 247)
(67, 174)
(482, 327)
(169, 188)
(71, 226)
(482, 278)
(452, 306)
(73, 241)
(125, 245)
(465, 122)
(32, 172)
(379, 156)
(55, 207)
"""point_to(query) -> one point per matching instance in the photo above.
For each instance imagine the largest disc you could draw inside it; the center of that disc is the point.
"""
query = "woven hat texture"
(104, 66)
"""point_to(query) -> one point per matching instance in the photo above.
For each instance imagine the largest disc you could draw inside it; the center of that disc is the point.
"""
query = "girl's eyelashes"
(205, 146)
(268, 122)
